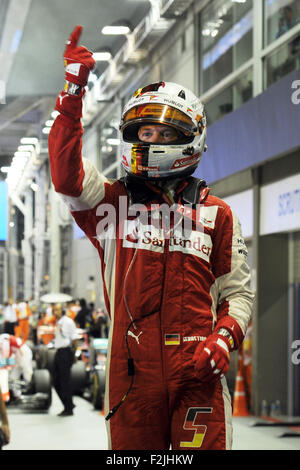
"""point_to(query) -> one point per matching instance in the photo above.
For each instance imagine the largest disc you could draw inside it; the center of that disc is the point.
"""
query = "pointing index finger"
(75, 35)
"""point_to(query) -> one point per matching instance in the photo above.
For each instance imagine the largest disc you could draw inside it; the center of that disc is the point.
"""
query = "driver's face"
(159, 133)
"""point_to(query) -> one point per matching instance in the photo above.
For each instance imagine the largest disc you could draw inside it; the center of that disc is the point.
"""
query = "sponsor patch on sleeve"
(73, 69)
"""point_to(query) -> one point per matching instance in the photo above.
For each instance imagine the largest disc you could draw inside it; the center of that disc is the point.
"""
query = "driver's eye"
(168, 134)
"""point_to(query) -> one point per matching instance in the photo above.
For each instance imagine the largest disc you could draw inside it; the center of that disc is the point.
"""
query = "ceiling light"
(107, 131)
(113, 141)
(46, 130)
(18, 163)
(106, 148)
(29, 140)
(54, 114)
(102, 56)
(115, 30)
(49, 123)
(25, 148)
(22, 154)
(5, 169)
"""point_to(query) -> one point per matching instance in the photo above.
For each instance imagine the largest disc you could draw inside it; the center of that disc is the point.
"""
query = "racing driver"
(175, 273)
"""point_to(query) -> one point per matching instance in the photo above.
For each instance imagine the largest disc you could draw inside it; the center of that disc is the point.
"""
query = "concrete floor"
(246, 436)
(86, 431)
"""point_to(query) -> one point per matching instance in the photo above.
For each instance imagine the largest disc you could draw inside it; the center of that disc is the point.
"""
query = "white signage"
(242, 206)
(280, 206)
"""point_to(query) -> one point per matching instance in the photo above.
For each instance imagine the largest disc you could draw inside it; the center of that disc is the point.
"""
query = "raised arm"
(74, 177)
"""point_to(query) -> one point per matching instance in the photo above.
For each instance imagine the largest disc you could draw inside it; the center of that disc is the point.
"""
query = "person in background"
(99, 326)
(12, 345)
(23, 367)
(34, 323)
(64, 342)
(46, 319)
(22, 330)
(82, 314)
(4, 424)
(89, 319)
(286, 21)
(10, 316)
(72, 309)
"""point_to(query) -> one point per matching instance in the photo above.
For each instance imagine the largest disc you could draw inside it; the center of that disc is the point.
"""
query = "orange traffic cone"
(240, 407)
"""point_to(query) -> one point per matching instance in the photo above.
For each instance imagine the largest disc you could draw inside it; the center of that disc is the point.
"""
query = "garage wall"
(86, 278)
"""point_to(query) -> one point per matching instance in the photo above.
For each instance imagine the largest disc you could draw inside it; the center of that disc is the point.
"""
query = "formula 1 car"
(37, 395)
(88, 377)
(25, 385)
(87, 372)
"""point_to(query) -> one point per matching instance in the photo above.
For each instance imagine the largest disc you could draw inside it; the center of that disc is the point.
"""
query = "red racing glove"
(211, 358)
(78, 62)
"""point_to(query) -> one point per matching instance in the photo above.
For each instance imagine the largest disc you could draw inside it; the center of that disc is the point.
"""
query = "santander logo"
(150, 238)
(181, 162)
(133, 237)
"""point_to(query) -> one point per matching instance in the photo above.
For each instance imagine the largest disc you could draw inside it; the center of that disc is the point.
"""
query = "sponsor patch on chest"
(207, 215)
(198, 244)
(148, 237)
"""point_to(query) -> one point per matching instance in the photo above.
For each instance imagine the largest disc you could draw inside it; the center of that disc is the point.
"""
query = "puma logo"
(61, 97)
(136, 337)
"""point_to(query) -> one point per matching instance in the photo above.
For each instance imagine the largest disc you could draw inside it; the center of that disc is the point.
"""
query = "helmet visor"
(160, 113)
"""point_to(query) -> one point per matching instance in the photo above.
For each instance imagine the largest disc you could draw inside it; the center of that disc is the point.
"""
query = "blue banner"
(263, 128)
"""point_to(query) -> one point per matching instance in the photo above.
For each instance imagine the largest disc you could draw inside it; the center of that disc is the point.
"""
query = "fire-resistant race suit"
(12, 345)
(167, 292)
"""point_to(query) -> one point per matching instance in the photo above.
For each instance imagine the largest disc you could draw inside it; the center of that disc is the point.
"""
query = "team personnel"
(65, 341)
(174, 264)
(11, 345)
(22, 330)
(10, 316)
(4, 424)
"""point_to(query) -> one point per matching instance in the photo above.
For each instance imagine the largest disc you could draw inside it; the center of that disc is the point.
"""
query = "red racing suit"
(9, 344)
(164, 293)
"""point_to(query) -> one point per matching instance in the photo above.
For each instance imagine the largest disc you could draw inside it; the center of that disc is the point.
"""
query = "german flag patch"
(171, 340)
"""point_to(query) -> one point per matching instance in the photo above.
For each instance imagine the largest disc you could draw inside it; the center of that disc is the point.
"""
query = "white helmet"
(170, 104)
